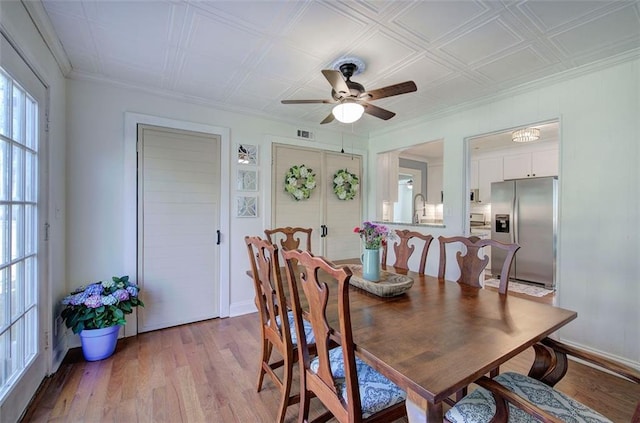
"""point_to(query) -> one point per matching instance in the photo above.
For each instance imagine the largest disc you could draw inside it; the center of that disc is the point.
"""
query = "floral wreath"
(299, 182)
(345, 184)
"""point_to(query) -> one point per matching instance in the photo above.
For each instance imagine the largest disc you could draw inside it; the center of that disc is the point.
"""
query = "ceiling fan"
(352, 99)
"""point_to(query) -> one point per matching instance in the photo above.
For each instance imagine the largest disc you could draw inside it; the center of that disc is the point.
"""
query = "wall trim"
(547, 81)
(41, 20)
(241, 308)
(621, 360)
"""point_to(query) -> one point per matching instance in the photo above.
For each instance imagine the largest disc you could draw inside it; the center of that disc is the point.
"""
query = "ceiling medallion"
(360, 66)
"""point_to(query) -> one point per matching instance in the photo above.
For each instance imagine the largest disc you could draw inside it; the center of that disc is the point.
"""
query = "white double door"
(331, 219)
(178, 223)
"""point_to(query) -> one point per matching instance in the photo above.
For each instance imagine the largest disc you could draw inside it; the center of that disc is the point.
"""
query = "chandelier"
(525, 135)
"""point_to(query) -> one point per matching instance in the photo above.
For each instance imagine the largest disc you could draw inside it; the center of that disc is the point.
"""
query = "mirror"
(418, 179)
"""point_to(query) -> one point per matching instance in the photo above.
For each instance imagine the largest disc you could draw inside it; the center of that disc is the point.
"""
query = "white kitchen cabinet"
(388, 169)
(517, 166)
(474, 177)
(531, 165)
(489, 171)
(544, 163)
(434, 184)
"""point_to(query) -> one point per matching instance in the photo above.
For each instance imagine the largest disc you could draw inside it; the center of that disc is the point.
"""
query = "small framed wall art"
(247, 154)
(246, 206)
(247, 180)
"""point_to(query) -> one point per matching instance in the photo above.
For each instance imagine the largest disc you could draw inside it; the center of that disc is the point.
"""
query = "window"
(18, 230)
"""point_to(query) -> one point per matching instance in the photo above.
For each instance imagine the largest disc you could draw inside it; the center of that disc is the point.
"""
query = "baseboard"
(621, 360)
(244, 307)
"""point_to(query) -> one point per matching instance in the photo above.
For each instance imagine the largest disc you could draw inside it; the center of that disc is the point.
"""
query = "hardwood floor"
(206, 372)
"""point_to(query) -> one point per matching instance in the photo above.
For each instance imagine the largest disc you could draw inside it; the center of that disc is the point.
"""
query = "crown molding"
(40, 19)
(201, 101)
(556, 78)
(507, 93)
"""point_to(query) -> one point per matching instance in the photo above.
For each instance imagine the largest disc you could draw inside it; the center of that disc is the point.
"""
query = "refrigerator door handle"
(514, 231)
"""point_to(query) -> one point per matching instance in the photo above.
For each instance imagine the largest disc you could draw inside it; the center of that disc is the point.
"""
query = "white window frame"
(34, 358)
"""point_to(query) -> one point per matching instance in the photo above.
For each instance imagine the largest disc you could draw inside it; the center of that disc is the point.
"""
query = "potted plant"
(97, 311)
(373, 236)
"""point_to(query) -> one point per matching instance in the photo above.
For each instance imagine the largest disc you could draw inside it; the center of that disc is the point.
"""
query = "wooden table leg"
(419, 410)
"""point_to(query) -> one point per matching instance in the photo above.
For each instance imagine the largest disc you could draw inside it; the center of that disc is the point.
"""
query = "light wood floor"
(206, 372)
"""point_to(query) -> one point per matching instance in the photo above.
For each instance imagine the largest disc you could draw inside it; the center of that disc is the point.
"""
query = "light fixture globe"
(348, 112)
(525, 135)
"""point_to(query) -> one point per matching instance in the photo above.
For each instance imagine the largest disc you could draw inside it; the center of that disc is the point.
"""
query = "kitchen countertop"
(430, 223)
(485, 227)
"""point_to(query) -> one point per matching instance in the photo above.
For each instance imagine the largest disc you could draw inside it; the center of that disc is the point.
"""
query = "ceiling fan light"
(525, 135)
(348, 112)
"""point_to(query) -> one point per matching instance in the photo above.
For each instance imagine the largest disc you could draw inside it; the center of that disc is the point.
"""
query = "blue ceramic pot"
(98, 344)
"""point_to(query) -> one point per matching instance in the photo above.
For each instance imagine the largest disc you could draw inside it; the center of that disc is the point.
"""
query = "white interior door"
(287, 211)
(342, 215)
(178, 220)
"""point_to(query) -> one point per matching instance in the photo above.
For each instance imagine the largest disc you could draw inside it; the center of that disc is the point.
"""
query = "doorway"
(495, 157)
(178, 226)
(498, 159)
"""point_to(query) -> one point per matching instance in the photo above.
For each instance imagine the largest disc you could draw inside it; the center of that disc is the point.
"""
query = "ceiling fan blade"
(337, 82)
(328, 119)
(307, 101)
(378, 112)
(391, 90)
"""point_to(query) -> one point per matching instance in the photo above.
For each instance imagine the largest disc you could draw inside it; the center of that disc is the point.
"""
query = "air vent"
(307, 135)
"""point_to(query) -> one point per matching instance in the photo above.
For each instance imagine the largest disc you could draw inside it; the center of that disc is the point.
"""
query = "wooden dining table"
(440, 336)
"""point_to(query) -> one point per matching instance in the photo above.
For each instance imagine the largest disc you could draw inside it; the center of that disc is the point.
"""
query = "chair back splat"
(351, 390)
(403, 250)
(290, 238)
(470, 264)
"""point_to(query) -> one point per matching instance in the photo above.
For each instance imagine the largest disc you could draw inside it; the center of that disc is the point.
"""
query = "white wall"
(96, 186)
(599, 242)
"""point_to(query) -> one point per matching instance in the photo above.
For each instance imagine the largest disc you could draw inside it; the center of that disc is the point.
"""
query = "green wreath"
(345, 184)
(299, 182)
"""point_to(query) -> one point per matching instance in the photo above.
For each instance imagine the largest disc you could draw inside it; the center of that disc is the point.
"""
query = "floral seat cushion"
(479, 406)
(376, 391)
(308, 330)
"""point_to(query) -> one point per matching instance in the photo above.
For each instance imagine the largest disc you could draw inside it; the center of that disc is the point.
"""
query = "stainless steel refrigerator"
(525, 211)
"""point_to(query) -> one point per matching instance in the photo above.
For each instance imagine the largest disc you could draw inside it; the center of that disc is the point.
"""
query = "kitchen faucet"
(416, 216)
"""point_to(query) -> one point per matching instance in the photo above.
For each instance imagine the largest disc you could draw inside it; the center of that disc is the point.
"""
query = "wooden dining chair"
(514, 397)
(351, 390)
(276, 321)
(403, 250)
(290, 238)
(470, 264)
